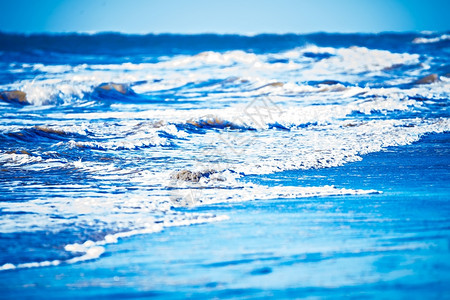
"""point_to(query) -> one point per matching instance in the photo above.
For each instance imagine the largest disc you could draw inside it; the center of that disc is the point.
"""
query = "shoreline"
(394, 244)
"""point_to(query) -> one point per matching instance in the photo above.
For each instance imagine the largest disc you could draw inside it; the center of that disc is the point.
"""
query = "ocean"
(225, 166)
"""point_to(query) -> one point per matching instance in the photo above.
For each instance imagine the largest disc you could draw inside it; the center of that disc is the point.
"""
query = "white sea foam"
(195, 195)
(425, 40)
(90, 250)
(47, 263)
(136, 142)
(69, 85)
(347, 63)
(136, 209)
(17, 159)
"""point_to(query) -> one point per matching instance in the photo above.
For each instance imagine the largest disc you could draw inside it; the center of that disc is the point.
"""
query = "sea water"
(306, 154)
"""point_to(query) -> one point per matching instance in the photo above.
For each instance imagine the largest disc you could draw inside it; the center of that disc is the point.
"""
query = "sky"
(223, 16)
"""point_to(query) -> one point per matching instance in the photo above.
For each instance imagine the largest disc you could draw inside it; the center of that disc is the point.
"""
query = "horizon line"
(92, 32)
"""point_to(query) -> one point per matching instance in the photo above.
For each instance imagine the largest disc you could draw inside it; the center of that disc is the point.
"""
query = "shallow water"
(390, 245)
(143, 135)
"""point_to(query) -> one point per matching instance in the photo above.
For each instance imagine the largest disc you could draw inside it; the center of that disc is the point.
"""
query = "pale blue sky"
(229, 16)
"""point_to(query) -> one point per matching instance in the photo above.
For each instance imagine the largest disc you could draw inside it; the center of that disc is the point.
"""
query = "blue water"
(225, 166)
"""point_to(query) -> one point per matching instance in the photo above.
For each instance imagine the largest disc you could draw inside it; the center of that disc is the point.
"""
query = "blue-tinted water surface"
(224, 166)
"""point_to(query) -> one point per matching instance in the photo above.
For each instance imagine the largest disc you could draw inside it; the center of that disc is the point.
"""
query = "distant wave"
(176, 44)
(428, 40)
